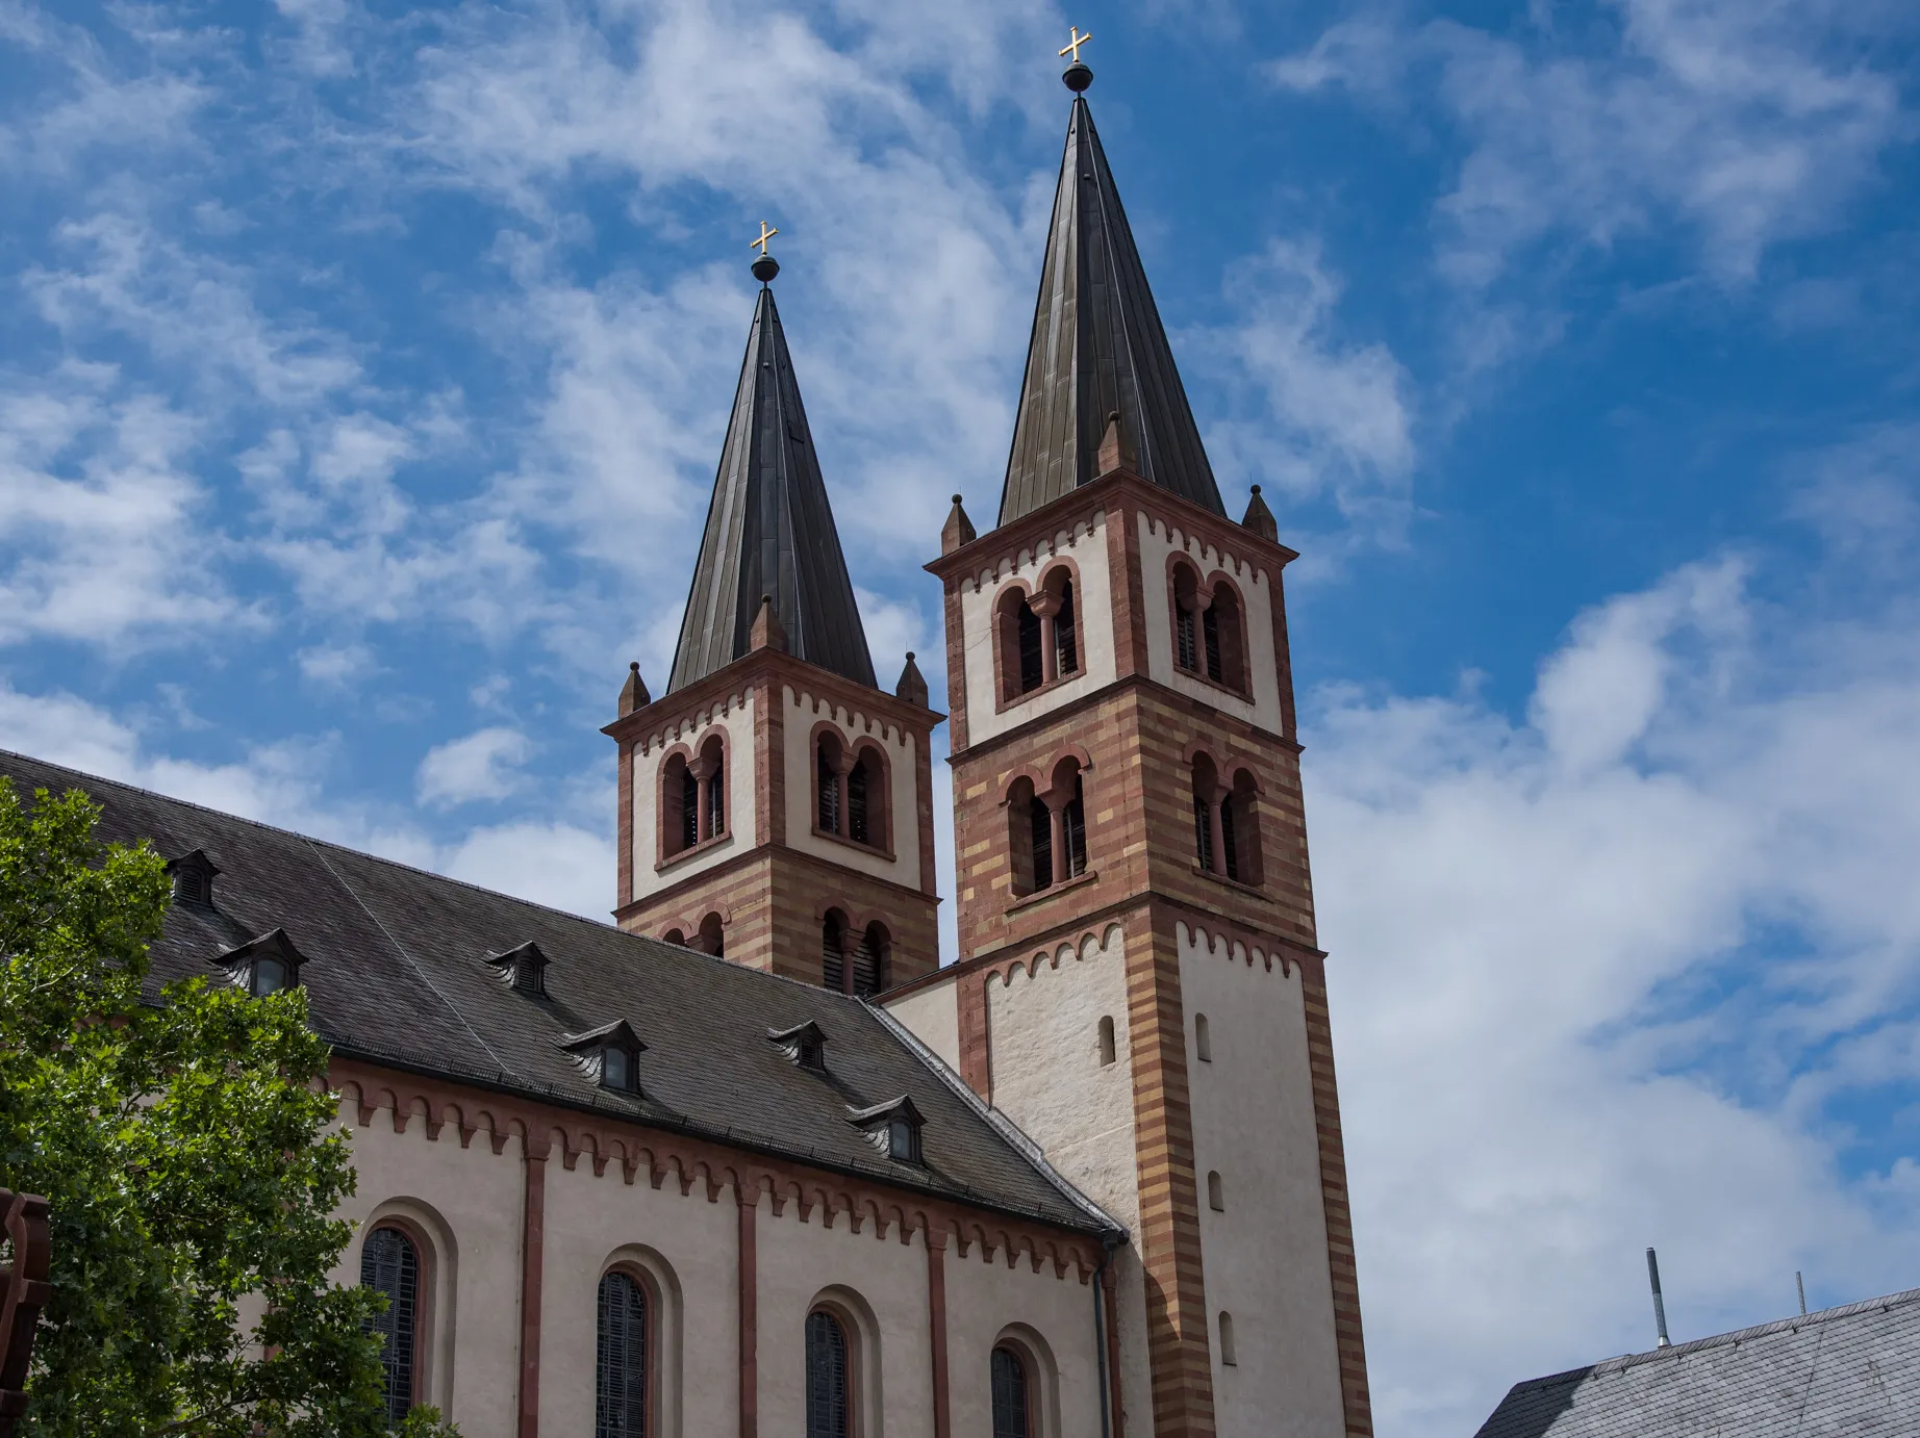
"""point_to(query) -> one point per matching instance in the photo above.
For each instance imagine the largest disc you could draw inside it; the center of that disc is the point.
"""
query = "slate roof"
(1852, 1370)
(770, 531)
(396, 973)
(1098, 347)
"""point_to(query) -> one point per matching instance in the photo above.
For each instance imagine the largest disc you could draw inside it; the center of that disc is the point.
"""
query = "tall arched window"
(620, 1367)
(1240, 830)
(1206, 800)
(1066, 633)
(829, 1375)
(713, 937)
(1225, 659)
(827, 777)
(1029, 839)
(833, 950)
(1186, 608)
(712, 773)
(867, 799)
(1012, 1395)
(1021, 643)
(390, 1264)
(693, 798)
(1073, 830)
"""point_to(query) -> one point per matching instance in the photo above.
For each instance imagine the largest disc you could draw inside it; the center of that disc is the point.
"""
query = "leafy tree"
(182, 1140)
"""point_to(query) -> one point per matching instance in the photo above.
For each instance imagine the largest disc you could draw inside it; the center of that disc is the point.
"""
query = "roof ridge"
(1794, 1323)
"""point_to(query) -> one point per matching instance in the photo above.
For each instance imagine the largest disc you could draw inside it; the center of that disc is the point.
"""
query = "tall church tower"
(776, 807)
(1139, 985)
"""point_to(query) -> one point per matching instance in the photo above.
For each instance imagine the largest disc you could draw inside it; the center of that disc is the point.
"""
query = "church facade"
(752, 1162)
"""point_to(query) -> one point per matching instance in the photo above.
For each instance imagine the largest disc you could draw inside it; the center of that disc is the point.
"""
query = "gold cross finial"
(765, 235)
(1072, 46)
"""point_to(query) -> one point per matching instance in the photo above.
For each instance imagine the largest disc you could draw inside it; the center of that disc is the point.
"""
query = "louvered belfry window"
(1073, 831)
(857, 829)
(833, 953)
(1010, 1402)
(1187, 656)
(689, 808)
(1029, 629)
(1210, 623)
(1066, 641)
(1203, 833)
(717, 802)
(1041, 820)
(829, 794)
(869, 963)
(620, 1368)
(390, 1264)
(1229, 852)
(829, 1403)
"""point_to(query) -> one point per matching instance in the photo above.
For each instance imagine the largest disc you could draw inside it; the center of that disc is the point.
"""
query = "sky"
(364, 367)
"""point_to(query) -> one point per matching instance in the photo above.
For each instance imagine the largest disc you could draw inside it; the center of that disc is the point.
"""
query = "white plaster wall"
(803, 711)
(1087, 547)
(986, 1298)
(588, 1220)
(796, 1262)
(1157, 544)
(742, 817)
(1043, 1025)
(1265, 1258)
(478, 1196)
(933, 1015)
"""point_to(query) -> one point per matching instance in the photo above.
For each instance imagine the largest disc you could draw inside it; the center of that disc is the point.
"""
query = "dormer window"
(193, 874)
(265, 965)
(805, 1045)
(523, 968)
(893, 1128)
(609, 1055)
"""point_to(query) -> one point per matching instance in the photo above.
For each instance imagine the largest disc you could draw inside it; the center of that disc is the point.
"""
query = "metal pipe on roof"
(1801, 1284)
(1659, 1305)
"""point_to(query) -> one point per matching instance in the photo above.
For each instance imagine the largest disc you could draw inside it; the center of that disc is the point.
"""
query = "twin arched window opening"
(850, 791)
(1226, 823)
(864, 970)
(1209, 630)
(693, 798)
(1047, 833)
(1038, 634)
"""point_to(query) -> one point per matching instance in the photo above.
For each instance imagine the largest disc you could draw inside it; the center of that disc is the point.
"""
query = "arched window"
(712, 773)
(1206, 813)
(674, 936)
(833, 950)
(1202, 1039)
(693, 798)
(870, 960)
(1106, 1040)
(1029, 839)
(829, 1374)
(712, 937)
(827, 778)
(1216, 1193)
(1020, 641)
(620, 1367)
(1227, 1354)
(1240, 830)
(1012, 1395)
(1224, 635)
(1186, 607)
(1073, 830)
(867, 798)
(1066, 633)
(390, 1264)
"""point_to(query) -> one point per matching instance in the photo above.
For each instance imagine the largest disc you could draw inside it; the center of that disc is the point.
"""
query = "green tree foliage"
(184, 1139)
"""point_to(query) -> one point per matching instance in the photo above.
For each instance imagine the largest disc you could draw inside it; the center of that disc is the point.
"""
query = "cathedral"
(751, 1161)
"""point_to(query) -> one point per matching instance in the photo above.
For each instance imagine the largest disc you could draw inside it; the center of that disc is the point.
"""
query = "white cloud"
(483, 765)
(1333, 416)
(562, 864)
(1621, 975)
(337, 666)
(1750, 122)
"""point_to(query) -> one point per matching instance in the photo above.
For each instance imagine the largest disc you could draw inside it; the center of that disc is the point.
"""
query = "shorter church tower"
(776, 806)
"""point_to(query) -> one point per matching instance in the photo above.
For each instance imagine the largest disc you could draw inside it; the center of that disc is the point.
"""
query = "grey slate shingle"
(396, 972)
(1853, 1370)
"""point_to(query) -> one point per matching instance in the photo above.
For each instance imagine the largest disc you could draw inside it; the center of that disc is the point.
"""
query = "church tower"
(776, 806)
(1139, 985)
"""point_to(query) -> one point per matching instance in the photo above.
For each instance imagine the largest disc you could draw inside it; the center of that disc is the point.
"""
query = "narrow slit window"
(1203, 832)
(829, 792)
(717, 803)
(1228, 1355)
(1106, 1040)
(1229, 849)
(1185, 651)
(1210, 623)
(1073, 832)
(689, 808)
(1202, 1039)
(857, 829)
(1216, 1193)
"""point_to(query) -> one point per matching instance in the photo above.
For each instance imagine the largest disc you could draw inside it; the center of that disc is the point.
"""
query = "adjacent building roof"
(396, 968)
(770, 531)
(1852, 1370)
(1098, 349)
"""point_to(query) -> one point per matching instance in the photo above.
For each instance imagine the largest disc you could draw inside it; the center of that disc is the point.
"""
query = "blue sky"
(363, 369)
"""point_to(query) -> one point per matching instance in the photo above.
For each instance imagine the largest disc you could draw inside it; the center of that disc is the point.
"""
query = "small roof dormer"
(804, 1044)
(609, 1055)
(892, 1127)
(193, 874)
(264, 965)
(522, 968)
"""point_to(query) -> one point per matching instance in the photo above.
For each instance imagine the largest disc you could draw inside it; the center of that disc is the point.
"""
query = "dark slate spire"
(770, 531)
(1098, 349)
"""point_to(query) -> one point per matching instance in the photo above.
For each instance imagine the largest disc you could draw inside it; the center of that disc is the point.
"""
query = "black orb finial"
(1076, 77)
(765, 267)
